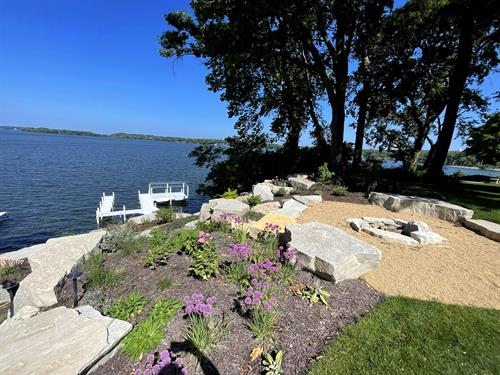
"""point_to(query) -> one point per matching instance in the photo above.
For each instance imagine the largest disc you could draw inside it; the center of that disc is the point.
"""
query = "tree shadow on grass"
(207, 366)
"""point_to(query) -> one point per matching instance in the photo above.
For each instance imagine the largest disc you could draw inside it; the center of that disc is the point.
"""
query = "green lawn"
(483, 198)
(407, 336)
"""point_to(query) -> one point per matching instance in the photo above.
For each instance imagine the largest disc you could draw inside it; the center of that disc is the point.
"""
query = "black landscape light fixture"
(74, 275)
(11, 287)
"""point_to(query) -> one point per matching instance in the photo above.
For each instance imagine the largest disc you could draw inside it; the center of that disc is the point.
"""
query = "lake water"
(51, 184)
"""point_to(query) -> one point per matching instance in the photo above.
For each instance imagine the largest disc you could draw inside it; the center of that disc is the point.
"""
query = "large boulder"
(308, 200)
(264, 191)
(484, 227)
(300, 183)
(220, 206)
(291, 208)
(422, 206)
(331, 253)
(58, 341)
(265, 208)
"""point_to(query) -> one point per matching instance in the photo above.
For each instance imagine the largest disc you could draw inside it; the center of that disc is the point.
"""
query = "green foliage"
(314, 293)
(230, 194)
(165, 282)
(339, 190)
(288, 272)
(484, 142)
(263, 324)
(252, 215)
(205, 333)
(98, 300)
(120, 237)
(97, 274)
(281, 192)
(236, 273)
(204, 261)
(9, 272)
(240, 233)
(147, 335)
(165, 215)
(159, 249)
(128, 307)
(324, 174)
(409, 336)
(254, 200)
(272, 365)
(214, 226)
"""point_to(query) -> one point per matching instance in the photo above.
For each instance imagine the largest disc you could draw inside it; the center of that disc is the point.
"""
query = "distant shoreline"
(146, 137)
(461, 166)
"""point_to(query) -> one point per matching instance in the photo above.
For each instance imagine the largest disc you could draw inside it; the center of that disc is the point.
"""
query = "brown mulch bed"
(304, 330)
(351, 197)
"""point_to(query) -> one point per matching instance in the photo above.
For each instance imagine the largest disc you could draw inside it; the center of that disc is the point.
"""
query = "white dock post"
(124, 214)
(97, 217)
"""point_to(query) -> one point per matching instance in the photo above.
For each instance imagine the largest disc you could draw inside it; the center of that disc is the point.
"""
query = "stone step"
(49, 264)
(58, 341)
(484, 227)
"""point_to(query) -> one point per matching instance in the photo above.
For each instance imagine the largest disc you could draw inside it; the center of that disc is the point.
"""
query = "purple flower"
(147, 372)
(138, 372)
(150, 357)
(240, 251)
(156, 369)
(248, 301)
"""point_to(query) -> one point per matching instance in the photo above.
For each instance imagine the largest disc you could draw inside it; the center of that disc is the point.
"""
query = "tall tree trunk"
(456, 87)
(361, 124)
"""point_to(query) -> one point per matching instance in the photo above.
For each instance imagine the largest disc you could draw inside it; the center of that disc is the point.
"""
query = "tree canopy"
(484, 141)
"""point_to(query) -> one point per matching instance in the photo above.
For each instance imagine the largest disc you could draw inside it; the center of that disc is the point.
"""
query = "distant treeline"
(457, 158)
(121, 135)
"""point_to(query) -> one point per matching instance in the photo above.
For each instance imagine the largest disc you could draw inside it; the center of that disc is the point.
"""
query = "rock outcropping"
(331, 253)
(422, 206)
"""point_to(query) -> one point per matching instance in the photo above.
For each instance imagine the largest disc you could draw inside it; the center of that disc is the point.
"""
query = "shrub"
(97, 274)
(165, 215)
(147, 335)
(165, 282)
(339, 190)
(98, 300)
(159, 249)
(127, 308)
(205, 261)
(230, 194)
(119, 236)
(254, 200)
(324, 174)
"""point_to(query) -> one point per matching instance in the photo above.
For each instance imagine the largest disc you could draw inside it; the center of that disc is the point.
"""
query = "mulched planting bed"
(302, 332)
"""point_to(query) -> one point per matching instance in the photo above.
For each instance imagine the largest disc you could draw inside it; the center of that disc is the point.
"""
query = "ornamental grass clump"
(204, 331)
(163, 362)
(290, 262)
(269, 238)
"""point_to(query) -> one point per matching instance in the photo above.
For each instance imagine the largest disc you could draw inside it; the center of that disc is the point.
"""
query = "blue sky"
(94, 65)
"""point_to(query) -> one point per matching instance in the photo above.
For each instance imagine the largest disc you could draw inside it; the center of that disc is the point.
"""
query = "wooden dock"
(158, 192)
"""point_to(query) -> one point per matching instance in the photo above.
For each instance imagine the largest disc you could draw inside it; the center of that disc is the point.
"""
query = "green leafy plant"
(165, 282)
(314, 293)
(252, 215)
(324, 174)
(204, 261)
(272, 365)
(147, 335)
(128, 307)
(205, 333)
(230, 194)
(281, 192)
(236, 273)
(339, 190)
(159, 249)
(10, 272)
(98, 300)
(98, 275)
(262, 324)
(254, 200)
(214, 226)
(165, 215)
(119, 236)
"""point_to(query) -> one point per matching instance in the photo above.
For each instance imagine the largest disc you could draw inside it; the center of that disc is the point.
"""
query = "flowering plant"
(162, 362)
(240, 251)
(269, 237)
(239, 226)
(198, 304)
(288, 255)
(203, 237)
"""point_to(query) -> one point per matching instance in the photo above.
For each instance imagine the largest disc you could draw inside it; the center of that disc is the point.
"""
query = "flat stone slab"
(331, 253)
(49, 264)
(291, 208)
(214, 209)
(308, 200)
(59, 341)
(422, 206)
(486, 228)
(255, 227)
(265, 208)
(391, 236)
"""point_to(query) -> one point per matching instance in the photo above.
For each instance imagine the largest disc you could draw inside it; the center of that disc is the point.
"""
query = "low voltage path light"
(11, 287)
(74, 275)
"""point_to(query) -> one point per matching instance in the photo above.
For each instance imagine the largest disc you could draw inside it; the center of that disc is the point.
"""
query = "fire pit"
(412, 233)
